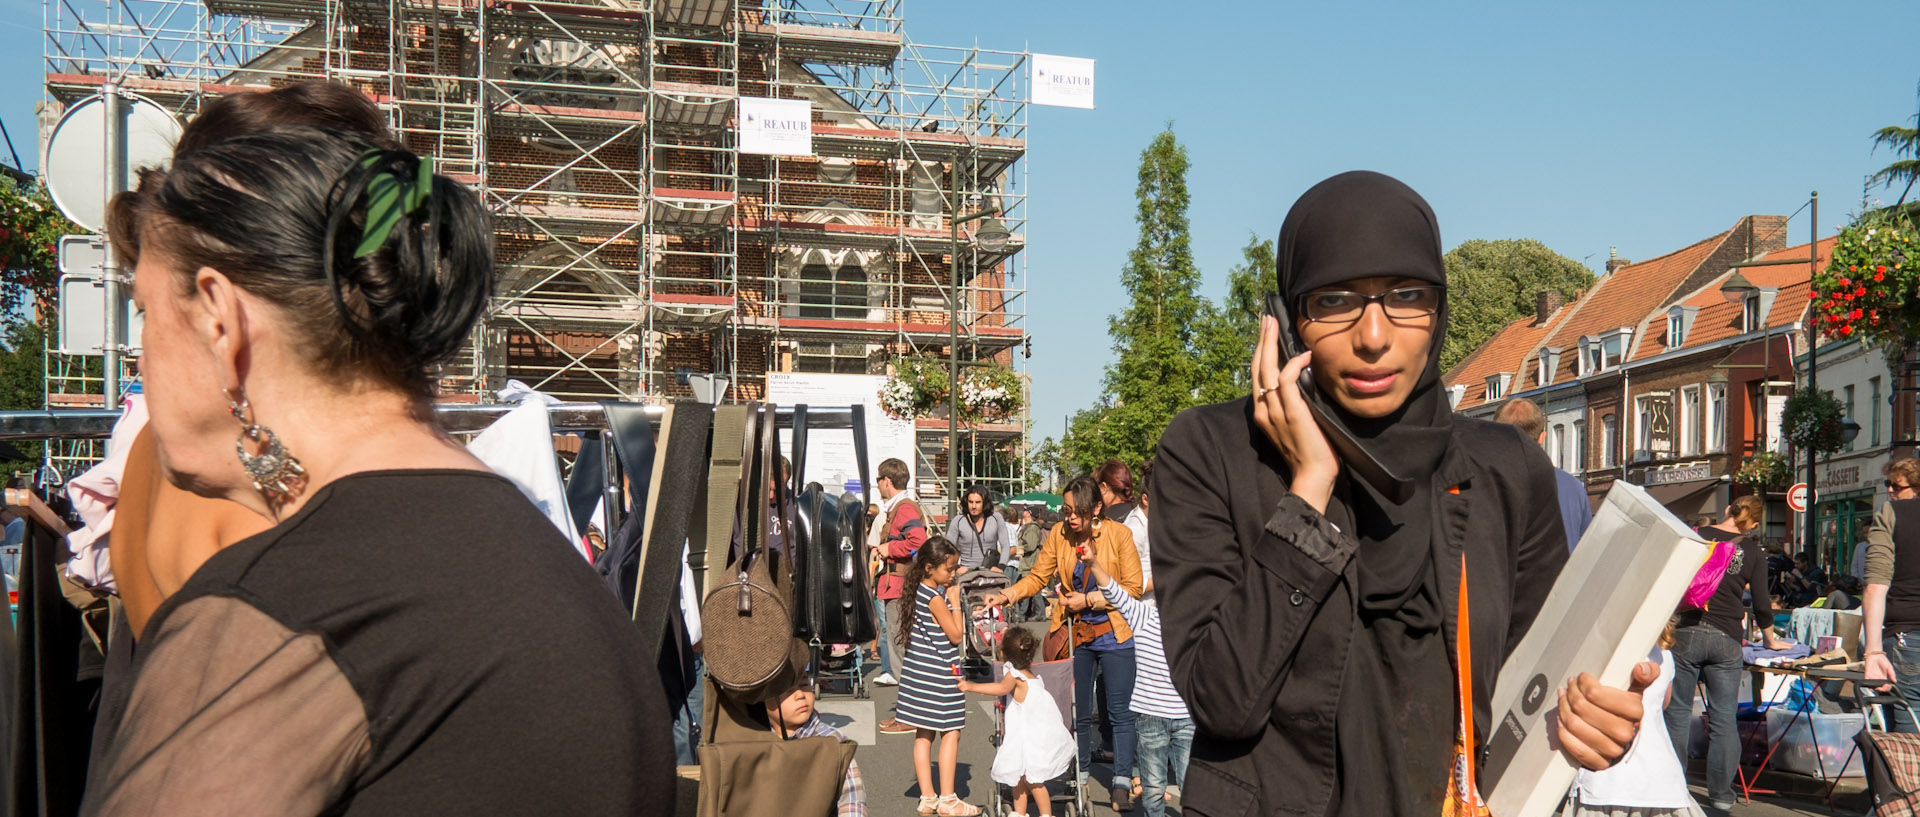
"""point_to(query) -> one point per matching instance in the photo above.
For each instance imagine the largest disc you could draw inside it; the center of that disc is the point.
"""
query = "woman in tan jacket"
(1099, 637)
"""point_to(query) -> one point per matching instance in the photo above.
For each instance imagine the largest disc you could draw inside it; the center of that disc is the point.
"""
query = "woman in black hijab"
(1312, 572)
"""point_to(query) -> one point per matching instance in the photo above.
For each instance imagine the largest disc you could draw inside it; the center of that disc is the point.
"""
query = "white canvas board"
(776, 127)
(830, 454)
(1603, 615)
(1065, 82)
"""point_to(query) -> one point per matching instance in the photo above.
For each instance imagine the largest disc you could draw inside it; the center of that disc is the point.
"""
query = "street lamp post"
(991, 236)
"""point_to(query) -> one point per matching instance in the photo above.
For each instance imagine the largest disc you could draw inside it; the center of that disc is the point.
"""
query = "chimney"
(1614, 261)
(1545, 303)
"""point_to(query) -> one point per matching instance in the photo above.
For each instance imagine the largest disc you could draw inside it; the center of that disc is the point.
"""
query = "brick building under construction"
(639, 249)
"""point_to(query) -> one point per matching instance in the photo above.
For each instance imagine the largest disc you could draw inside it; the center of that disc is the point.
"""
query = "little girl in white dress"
(1035, 746)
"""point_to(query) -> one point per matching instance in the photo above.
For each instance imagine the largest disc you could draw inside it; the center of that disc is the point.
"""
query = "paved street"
(886, 766)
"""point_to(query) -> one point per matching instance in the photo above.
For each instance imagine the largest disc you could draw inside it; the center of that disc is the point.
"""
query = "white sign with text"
(1065, 82)
(776, 127)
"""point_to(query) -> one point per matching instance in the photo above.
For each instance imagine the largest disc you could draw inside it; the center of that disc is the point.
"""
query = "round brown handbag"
(747, 621)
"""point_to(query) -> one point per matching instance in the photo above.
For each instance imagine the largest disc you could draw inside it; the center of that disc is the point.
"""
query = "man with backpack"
(899, 535)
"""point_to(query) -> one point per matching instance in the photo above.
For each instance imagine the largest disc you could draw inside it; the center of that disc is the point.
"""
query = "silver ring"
(1261, 393)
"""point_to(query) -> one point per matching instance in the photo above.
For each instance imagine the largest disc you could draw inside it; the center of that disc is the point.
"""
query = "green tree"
(1492, 283)
(1229, 330)
(23, 374)
(1157, 371)
(1904, 142)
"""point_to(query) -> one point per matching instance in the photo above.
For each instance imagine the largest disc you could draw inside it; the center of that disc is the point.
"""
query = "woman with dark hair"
(1116, 490)
(299, 286)
(1315, 542)
(982, 536)
(1100, 639)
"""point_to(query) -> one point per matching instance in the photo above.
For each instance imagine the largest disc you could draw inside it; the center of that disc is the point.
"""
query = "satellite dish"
(77, 153)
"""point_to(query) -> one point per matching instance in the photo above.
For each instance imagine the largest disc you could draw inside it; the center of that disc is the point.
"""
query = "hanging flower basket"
(1764, 470)
(1868, 290)
(1812, 419)
(990, 393)
(917, 386)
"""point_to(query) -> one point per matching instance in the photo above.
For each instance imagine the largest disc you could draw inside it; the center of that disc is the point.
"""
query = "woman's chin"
(1371, 406)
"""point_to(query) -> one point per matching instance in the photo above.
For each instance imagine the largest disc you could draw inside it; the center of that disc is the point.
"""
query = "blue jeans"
(1702, 652)
(1904, 651)
(1164, 744)
(887, 610)
(686, 720)
(1116, 667)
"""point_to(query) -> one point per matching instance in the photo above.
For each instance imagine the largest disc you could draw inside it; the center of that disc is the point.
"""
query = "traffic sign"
(1797, 497)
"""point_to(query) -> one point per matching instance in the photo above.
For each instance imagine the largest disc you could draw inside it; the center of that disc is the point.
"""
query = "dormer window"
(1604, 351)
(1755, 308)
(1455, 393)
(1497, 386)
(1679, 320)
(1547, 364)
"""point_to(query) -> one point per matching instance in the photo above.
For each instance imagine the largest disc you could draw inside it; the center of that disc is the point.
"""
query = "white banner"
(776, 127)
(830, 459)
(1063, 81)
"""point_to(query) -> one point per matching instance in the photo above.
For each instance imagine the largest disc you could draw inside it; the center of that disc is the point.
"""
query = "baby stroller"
(985, 624)
(1057, 676)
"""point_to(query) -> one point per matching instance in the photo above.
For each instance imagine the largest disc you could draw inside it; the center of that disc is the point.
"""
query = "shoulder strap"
(799, 446)
(676, 481)
(719, 495)
(587, 482)
(860, 454)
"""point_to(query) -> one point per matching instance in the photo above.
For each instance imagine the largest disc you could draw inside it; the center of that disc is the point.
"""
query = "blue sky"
(1641, 125)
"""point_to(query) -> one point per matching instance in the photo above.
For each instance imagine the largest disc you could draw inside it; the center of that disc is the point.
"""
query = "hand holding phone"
(1280, 410)
(1283, 386)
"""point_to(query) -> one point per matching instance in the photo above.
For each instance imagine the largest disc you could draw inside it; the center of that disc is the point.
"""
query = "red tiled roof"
(1625, 298)
(1718, 320)
(1506, 351)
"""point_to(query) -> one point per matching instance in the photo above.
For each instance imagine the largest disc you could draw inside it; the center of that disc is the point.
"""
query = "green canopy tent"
(1051, 501)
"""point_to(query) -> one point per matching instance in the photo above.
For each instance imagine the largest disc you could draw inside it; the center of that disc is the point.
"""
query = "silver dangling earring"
(276, 474)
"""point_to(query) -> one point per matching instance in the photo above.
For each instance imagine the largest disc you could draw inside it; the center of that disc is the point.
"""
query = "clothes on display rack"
(519, 447)
(94, 495)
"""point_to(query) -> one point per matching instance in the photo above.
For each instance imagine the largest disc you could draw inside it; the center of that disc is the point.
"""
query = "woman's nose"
(1373, 333)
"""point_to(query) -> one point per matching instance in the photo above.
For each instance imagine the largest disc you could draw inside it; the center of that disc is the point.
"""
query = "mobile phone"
(1391, 486)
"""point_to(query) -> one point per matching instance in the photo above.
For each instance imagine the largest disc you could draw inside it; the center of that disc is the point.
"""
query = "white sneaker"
(884, 679)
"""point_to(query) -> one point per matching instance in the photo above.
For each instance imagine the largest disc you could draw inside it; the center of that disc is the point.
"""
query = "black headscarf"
(1395, 725)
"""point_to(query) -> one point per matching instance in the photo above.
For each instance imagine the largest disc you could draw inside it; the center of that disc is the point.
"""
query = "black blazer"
(1255, 591)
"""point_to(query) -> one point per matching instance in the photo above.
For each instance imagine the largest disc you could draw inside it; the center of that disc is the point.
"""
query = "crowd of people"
(1298, 605)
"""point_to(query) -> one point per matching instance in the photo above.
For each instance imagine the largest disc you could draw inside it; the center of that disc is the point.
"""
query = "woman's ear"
(220, 315)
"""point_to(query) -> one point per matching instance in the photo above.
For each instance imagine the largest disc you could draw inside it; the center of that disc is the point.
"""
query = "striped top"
(1153, 692)
(930, 696)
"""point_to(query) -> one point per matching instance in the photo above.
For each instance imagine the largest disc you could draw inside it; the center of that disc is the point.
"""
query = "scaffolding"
(636, 244)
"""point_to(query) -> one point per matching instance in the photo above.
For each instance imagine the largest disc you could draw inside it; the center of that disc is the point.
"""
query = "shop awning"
(1691, 499)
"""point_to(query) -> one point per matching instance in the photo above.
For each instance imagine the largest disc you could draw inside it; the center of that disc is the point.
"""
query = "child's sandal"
(928, 806)
(953, 806)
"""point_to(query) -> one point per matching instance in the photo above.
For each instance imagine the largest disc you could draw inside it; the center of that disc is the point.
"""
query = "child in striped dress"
(930, 698)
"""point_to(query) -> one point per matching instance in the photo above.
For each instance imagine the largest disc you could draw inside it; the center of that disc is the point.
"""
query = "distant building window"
(1609, 441)
(1716, 416)
(1579, 446)
(1496, 387)
(1676, 331)
(833, 293)
(1689, 425)
(1873, 385)
(1750, 320)
(1557, 445)
(1846, 403)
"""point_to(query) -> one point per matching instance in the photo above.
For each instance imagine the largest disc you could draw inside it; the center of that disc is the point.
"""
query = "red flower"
(1852, 268)
(1881, 268)
(1860, 290)
(1879, 276)
(1855, 314)
(1846, 330)
(1845, 283)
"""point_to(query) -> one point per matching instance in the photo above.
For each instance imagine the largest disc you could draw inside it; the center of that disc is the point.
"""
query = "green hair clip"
(388, 198)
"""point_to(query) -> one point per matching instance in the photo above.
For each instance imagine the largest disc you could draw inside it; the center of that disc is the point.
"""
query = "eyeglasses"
(1074, 513)
(1897, 488)
(1345, 306)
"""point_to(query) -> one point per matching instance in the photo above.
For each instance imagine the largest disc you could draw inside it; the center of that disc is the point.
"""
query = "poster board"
(776, 127)
(830, 456)
(1065, 82)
